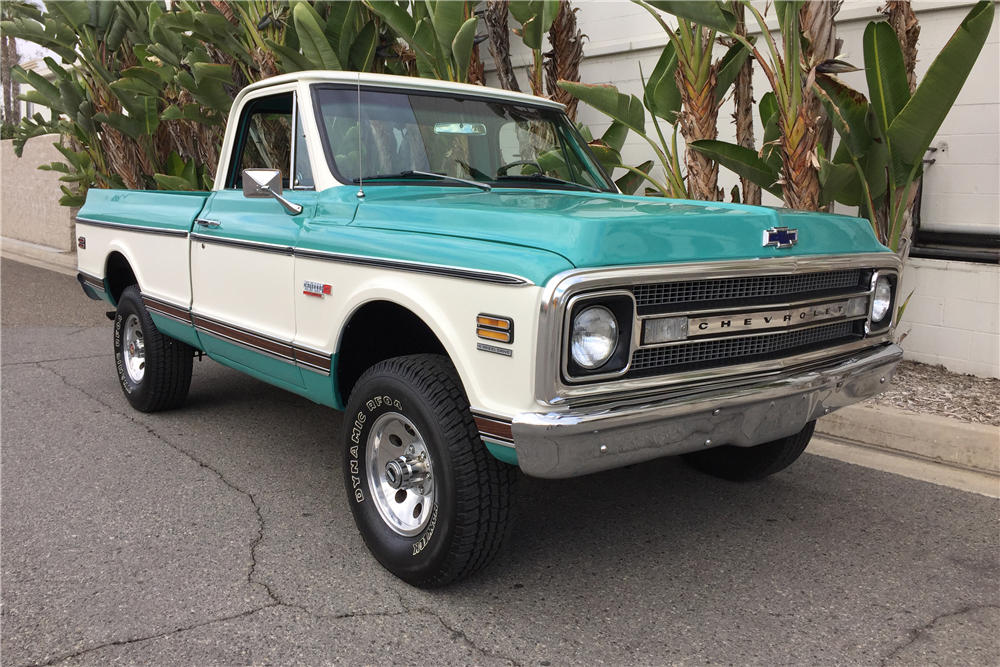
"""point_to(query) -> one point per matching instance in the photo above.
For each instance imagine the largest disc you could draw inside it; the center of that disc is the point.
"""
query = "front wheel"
(748, 464)
(154, 370)
(430, 502)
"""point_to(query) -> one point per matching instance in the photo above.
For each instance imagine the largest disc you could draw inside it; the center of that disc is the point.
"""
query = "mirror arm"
(290, 207)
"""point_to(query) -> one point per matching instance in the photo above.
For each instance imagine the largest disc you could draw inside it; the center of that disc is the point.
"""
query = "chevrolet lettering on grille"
(773, 319)
(780, 237)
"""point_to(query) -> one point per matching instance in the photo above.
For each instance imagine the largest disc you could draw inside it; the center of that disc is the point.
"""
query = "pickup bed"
(450, 266)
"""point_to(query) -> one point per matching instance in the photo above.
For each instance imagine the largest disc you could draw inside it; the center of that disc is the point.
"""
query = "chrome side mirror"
(263, 183)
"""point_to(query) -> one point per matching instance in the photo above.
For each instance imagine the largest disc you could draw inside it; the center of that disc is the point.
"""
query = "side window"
(303, 176)
(264, 139)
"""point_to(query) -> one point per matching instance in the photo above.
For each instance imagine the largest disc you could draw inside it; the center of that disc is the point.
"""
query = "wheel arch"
(372, 333)
(119, 274)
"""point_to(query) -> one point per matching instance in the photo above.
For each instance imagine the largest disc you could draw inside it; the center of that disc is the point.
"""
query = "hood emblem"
(780, 237)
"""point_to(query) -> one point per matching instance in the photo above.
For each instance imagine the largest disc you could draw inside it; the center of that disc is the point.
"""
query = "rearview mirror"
(263, 183)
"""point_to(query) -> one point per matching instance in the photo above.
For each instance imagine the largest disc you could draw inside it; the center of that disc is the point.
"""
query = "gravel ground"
(936, 390)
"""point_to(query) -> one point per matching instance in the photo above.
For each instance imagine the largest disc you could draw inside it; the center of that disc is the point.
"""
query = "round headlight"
(883, 297)
(594, 337)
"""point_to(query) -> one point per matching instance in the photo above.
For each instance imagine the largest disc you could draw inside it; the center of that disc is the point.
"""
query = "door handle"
(203, 222)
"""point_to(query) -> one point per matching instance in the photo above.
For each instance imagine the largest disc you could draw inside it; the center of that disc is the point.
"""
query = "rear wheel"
(430, 502)
(746, 464)
(154, 370)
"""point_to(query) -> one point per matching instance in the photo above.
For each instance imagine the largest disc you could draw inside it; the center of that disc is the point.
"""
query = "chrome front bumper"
(569, 444)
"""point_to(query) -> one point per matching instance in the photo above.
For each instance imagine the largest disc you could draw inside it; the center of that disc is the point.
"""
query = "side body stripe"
(310, 359)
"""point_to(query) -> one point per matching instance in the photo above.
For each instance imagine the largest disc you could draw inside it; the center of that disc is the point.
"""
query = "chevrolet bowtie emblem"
(780, 237)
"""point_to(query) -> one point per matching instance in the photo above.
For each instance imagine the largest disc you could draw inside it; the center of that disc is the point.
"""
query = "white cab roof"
(402, 83)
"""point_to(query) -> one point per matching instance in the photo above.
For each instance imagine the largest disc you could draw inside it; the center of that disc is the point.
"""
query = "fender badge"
(310, 288)
(495, 350)
(780, 237)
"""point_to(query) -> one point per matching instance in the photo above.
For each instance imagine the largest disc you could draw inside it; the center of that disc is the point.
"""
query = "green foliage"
(438, 32)
(187, 64)
(884, 140)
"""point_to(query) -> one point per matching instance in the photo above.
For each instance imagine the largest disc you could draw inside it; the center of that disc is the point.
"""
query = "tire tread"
(485, 486)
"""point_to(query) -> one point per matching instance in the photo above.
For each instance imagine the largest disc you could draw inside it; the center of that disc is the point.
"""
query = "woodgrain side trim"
(92, 281)
(494, 429)
(167, 309)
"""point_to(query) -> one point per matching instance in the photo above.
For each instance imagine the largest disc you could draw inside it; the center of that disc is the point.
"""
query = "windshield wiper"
(410, 173)
(542, 178)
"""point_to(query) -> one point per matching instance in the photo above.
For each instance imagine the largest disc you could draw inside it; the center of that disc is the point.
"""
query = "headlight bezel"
(621, 305)
(890, 314)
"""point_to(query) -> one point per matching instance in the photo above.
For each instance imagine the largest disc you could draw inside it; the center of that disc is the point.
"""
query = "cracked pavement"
(219, 534)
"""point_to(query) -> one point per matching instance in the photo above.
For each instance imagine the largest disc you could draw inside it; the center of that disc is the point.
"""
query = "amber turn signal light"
(492, 327)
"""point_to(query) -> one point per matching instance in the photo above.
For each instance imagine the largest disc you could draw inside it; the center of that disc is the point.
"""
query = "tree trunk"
(563, 61)
(798, 155)
(11, 88)
(495, 18)
(904, 23)
(699, 117)
(743, 100)
(817, 21)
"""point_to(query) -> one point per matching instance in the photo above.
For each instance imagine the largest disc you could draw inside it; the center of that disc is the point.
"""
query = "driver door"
(242, 264)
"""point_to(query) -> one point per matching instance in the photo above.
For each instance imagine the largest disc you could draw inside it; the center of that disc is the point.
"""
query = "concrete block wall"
(953, 317)
(29, 198)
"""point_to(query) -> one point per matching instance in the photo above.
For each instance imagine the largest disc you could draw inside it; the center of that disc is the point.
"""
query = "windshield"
(490, 141)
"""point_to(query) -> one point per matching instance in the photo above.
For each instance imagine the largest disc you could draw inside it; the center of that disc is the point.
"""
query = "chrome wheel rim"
(400, 474)
(134, 350)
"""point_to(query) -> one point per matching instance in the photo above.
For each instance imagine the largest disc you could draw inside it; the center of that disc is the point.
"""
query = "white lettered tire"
(154, 371)
(431, 503)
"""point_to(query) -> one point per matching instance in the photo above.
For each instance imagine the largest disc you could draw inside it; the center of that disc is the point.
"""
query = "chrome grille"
(750, 287)
(720, 351)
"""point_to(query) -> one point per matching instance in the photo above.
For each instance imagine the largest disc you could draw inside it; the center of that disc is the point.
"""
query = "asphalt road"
(219, 534)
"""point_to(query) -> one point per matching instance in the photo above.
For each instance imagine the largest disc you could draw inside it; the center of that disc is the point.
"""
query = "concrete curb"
(935, 439)
(39, 255)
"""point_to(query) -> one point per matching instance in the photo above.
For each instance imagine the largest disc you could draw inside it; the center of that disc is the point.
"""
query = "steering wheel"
(502, 171)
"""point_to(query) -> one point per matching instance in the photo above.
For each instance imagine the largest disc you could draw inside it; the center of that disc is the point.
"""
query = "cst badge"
(310, 288)
(780, 237)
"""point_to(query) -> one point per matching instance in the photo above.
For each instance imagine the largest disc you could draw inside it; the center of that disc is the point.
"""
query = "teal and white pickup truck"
(450, 266)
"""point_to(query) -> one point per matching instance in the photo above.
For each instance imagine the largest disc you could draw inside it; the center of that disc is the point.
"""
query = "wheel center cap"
(131, 349)
(394, 474)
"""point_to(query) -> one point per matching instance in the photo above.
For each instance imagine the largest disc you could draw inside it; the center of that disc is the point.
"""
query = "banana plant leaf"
(315, 46)
(744, 162)
(770, 150)
(535, 17)
(124, 124)
(915, 126)
(175, 183)
(709, 13)
(615, 135)
(447, 18)
(631, 181)
(461, 46)
(729, 69)
(626, 109)
(362, 51)
(886, 73)
(291, 60)
(661, 95)
(834, 179)
(75, 12)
